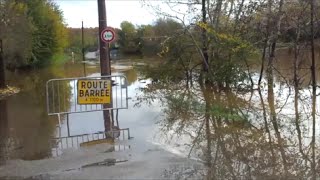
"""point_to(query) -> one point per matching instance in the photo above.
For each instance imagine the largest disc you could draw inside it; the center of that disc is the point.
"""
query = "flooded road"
(28, 129)
(243, 136)
(28, 133)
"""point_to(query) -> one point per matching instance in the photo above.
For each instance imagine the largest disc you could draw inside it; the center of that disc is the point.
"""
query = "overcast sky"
(117, 11)
(134, 11)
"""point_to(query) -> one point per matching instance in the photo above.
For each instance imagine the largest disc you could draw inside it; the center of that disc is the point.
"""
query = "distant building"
(92, 56)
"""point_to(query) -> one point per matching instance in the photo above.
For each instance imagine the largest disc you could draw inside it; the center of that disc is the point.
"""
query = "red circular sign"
(108, 35)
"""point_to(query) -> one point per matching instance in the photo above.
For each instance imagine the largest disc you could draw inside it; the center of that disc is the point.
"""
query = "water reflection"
(30, 127)
(264, 133)
(3, 130)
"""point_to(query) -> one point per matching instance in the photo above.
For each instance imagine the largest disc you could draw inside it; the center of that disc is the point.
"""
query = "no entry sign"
(108, 35)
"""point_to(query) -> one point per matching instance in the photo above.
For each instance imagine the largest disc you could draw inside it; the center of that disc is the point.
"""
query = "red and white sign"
(108, 35)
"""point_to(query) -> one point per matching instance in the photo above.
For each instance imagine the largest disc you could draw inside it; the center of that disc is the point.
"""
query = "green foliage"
(146, 39)
(33, 31)
(91, 37)
(15, 31)
(166, 27)
(58, 59)
(186, 106)
(128, 38)
(229, 56)
(49, 33)
(148, 45)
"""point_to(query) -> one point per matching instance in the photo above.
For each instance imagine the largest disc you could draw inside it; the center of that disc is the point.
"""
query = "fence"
(62, 92)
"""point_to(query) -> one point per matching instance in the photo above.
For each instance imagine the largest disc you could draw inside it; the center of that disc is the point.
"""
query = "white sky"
(117, 11)
(134, 11)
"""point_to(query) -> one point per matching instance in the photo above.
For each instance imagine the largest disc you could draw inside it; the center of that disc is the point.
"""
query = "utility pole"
(2, 68)
(104, 59)
(83, 58)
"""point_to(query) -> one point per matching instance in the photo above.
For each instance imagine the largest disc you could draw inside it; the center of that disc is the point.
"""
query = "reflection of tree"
(245, 138)
(131, 75)
(3, 129)
(32, 127)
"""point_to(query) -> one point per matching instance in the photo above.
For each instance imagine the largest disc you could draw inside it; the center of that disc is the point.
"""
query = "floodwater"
(27, 130)
(245, 136)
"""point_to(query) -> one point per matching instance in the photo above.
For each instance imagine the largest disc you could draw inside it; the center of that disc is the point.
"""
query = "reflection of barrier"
(85, 140)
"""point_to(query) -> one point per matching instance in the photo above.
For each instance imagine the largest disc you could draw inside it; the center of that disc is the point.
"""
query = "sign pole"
(104, 59)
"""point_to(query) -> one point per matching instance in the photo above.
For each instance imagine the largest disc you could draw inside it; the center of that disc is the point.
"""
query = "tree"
(49, 35)
(15, 31)
(2, 68)
(32, 32)
(233, 32)
(128, 39)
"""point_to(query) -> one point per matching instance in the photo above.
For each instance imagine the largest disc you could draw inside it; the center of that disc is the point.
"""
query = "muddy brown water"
(257, 148)
(26, 129)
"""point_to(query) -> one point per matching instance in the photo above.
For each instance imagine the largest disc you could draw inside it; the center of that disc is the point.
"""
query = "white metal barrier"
(62, 99)
(62, 92)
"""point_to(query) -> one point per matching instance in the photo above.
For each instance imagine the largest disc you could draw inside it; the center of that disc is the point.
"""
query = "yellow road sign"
(94, 91)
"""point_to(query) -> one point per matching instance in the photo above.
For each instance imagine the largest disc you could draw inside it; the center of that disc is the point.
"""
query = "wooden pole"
(104, 58)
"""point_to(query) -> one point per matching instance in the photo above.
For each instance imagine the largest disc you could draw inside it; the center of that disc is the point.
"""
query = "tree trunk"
(204, 37)
(217, 14)
(3, 129)
(205, 88)
(263, 59)
(238, 14)
(273, 115)
(267, 129)
(230, 11)
(314, 92)
(265, 44)
(2, 68)
(296, 92)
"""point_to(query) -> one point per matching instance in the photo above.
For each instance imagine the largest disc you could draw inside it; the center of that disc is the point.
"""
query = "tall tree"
(128, 37)
(314, 89)
(2, 68)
